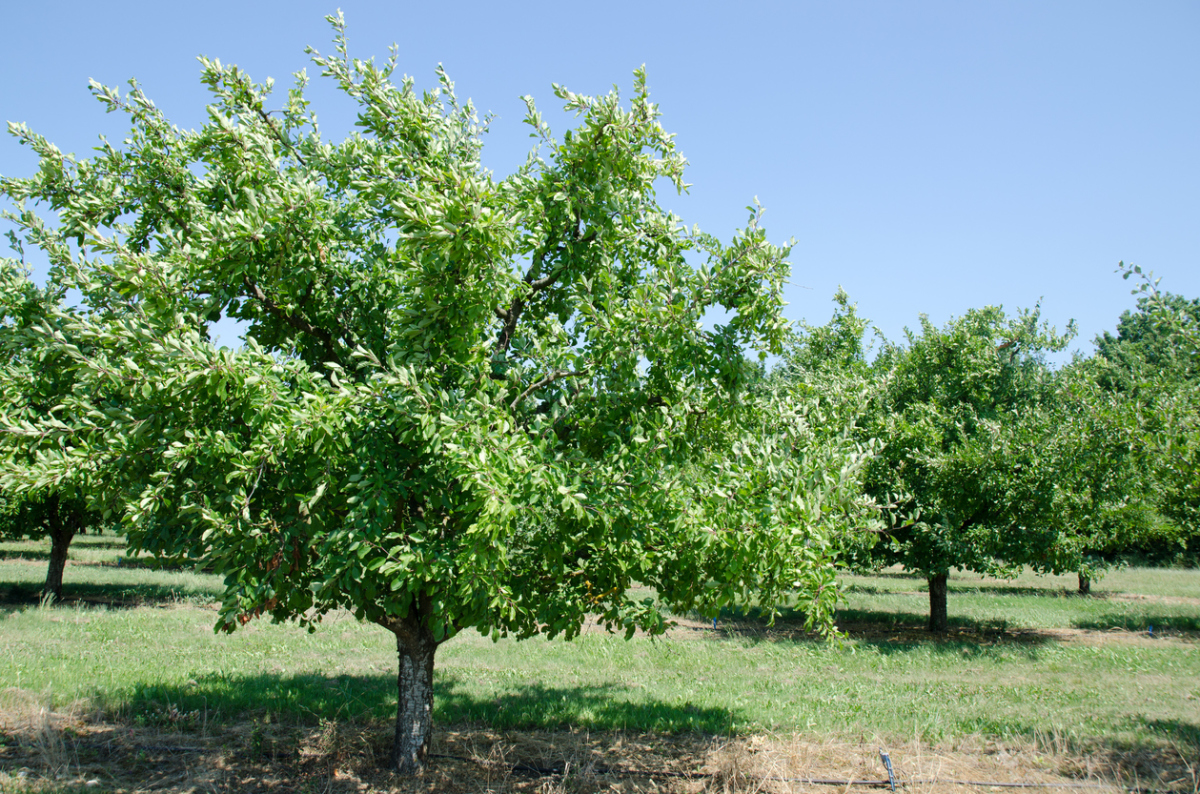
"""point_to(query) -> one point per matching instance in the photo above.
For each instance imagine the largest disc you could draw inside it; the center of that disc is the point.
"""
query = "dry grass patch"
(48, 751)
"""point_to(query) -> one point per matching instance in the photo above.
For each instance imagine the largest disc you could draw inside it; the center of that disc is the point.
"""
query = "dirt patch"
(43, 751)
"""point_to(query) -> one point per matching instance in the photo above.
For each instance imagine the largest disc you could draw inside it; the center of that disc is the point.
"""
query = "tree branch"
(553, 376)
(512, 315)
(279, 134)
(295, 321)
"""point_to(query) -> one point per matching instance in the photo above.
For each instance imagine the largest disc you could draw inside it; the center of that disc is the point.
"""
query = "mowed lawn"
(1025, 658)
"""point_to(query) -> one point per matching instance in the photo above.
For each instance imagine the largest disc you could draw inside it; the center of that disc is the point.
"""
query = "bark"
(62, 528)
(1085, 584)
(415, 647)
(939, 622)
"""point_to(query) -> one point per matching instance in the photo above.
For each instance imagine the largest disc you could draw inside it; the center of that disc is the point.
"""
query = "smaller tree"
(33, 384)
(963, 466)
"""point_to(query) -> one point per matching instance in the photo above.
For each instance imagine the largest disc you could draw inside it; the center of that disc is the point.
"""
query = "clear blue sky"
(928, 157)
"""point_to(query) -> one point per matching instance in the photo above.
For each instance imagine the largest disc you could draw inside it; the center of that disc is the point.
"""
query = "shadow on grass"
(876, 590)
(957, 588)
(98, 542)
(21, 595)
(1013, 590)
(1184, 735)
(914, 577)
(911, 626)
(32, 555)
(1188, 624)
(599, 707)
(309, 699)
(889, 631)
(1159, 761)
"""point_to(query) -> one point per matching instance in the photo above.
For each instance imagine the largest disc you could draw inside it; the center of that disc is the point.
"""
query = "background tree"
(463, 402)
(32, 388)
(1153, 363)
(1153, 338)
(962, 468)
(1096, 440)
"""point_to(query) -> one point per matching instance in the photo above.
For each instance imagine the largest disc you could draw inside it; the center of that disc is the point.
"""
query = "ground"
(124, 687)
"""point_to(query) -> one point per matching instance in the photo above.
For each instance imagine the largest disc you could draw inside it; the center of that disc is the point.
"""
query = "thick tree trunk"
(1085, 584)
(62, 531)
(414, 708)
(939, 621)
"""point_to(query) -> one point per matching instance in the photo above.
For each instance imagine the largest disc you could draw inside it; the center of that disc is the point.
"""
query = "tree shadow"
(1188, 625)
(1160, 762)
(25, 554)
(959, 588)
(1013, 590)
(311, 699)
(1185, 735)
(915, 577)
(22, 595)
(876, 590)
(218, 697)
(99, 542)
(891, 632)
(599, 707)
(895, 631)
(39, 549)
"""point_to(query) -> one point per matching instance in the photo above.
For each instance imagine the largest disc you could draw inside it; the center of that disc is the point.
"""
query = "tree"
(963, 470)
(462, 402)
(1153, 363)
(1153, 339)
(31, 386)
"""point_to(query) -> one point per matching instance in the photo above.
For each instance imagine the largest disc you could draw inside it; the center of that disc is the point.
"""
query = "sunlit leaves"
(493, 403)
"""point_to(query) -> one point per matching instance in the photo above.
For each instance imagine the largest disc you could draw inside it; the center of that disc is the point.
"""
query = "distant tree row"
(992, 461)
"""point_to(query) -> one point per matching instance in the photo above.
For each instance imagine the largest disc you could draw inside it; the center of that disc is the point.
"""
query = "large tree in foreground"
(965, 412)
(463, 402)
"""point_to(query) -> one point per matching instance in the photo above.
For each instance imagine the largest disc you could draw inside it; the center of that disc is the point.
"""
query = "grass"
(1133, 599)
(1027, 661)
(98, 571)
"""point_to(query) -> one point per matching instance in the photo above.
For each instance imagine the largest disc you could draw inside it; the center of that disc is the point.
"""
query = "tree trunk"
(939, 622)
(414, 707)
(1085, 584)
(62, 526)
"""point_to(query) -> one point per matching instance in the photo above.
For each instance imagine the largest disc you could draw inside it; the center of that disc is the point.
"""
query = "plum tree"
(462, 402)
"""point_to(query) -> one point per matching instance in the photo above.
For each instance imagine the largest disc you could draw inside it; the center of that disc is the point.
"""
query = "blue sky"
(928, 157)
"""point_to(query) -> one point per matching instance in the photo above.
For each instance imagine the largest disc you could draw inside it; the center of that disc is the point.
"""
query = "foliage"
(824, 370)
(1155, 361)
(1159, 337)
(463, 401)
(33, 385)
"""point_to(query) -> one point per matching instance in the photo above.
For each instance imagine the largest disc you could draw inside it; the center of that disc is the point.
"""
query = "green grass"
(98, 570)
(156, 660)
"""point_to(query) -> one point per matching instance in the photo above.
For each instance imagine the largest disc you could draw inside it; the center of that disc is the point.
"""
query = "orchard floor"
(124, 687)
